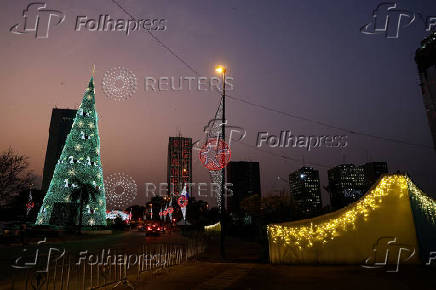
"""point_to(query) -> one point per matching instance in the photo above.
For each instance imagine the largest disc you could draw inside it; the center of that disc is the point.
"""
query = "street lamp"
(222, 70)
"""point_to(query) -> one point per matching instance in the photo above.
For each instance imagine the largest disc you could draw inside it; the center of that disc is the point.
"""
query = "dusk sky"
(306, 58)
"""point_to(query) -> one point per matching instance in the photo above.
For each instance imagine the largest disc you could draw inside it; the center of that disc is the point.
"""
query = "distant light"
(302, 175)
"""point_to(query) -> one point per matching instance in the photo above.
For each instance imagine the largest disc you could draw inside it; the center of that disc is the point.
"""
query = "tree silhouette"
(14, 174)
(83, 193)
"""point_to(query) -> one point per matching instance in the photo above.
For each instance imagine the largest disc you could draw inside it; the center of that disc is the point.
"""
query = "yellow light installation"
(213, 228)
(426, 203)
(306, 235)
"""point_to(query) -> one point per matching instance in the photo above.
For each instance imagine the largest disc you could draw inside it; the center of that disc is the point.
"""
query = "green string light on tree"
(79, 166)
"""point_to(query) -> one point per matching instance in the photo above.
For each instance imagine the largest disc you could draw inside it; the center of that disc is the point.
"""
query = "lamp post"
(222, 70)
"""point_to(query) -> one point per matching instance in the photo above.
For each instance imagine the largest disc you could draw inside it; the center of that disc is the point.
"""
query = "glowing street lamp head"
(220, 69)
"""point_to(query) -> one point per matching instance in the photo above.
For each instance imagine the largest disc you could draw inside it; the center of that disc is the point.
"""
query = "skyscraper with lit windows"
(373, 171)
(305, 189)
(347, 183)
(179, 164)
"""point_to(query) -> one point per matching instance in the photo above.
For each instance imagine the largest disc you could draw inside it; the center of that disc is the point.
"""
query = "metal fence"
(118, 267)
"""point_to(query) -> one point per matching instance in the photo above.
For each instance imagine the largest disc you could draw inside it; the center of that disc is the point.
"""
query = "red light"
(148, 228)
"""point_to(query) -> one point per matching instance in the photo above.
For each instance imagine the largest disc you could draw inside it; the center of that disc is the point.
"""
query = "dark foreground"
(205, 275)
(245, 268)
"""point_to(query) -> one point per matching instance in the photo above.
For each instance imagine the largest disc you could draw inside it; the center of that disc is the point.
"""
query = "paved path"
(206, 275)
(214, 274)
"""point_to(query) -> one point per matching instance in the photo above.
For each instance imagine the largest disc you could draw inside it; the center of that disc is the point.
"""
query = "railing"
(114, 268)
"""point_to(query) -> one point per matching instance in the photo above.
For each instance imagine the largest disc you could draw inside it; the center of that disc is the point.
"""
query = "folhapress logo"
(388, 252)
(38, 20)
(387, 19)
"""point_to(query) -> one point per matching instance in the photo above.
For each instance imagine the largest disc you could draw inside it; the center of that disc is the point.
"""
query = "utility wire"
(294, 116)
(284, 156)
(324, 124)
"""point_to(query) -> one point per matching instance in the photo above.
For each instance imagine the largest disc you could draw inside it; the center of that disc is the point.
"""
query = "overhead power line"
(287, 114)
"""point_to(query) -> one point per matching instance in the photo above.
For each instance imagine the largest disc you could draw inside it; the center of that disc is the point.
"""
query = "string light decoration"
(119, 83)
(213, 228)
(182, 201)
(117, 213)
(79, 162)
(30, 204)
(214, 131)
(307, 235)
(425, 203)
(129, 190)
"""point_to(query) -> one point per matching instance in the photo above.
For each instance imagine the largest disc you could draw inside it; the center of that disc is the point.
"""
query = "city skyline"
(371, 86)
(218, 144)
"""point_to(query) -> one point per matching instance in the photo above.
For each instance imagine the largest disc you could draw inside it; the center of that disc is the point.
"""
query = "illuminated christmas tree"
(77, 183)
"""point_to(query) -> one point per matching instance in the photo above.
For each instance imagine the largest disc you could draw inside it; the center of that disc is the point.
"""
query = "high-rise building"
(305, 190)
(346, 184)
(245, 179)
(373, 171)
(60, 126)
(425, 58)
(179, 164)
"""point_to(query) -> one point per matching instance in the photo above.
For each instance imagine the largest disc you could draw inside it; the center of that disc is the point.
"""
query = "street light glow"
(220, 69)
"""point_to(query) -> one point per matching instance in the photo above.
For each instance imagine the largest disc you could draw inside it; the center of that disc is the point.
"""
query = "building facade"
(373, 171)
(306, 192)
(425, 58)
(347, 184)
(60, 126)
(244, 177)
(179, 171)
